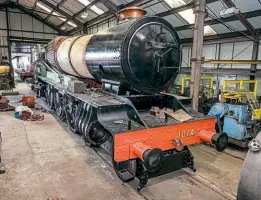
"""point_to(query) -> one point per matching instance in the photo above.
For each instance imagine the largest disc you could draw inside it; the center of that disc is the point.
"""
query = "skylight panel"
(59, 16)
(188, 15)
(209, 31)
(43, 7)
(72, 24)
(84, 2)
(97, 10)
(175, 3)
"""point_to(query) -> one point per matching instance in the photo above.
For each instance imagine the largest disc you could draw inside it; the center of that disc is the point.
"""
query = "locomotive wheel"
(70, 111)
(58, 106)
(96, 134)
(49, 97)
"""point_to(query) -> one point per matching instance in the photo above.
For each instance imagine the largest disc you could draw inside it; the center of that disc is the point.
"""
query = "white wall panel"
(16, 33)
(259, 55)
(242, 51)
(221, 78)
(27, 23)
(99, 27)
(226, 51)
(105, 26)
(47, 29)
(2, 20)
(40, 35)
(49, 36)
(15, 21)
(38, 26)
(3, 33)
(186, 56)
(29, 35)
(209, 52)
(112, 23)
(241, 77)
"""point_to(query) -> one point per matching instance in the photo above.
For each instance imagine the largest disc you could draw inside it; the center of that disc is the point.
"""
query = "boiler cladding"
(141, 54)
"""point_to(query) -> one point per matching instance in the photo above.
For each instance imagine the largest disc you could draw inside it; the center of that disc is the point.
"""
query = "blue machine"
(236, 120)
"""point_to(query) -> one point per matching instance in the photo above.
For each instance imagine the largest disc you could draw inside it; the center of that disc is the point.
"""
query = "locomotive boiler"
(134, 61)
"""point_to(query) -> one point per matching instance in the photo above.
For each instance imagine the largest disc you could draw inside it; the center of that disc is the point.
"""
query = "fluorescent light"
(72, 24)
(175, 3)
(84, 15)
(188, 15)
(63, 28)
(59, 16)
(43, 7)
(209, 31)
(97, 10)
(84, 2)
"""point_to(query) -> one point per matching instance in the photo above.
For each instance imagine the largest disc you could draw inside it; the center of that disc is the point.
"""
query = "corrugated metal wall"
(225, 51)
(22, 26)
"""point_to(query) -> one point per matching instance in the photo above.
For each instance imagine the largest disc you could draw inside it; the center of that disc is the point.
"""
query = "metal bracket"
(254, 145)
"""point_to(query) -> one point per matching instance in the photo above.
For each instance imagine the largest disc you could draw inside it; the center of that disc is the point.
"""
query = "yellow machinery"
(5, 78)
(238, 113)
(4, 69)
(206, 85)
(239, 91)
(243, 85)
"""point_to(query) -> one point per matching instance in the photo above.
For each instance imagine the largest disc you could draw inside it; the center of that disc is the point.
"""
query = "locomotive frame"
(134, 61)
(139, 145)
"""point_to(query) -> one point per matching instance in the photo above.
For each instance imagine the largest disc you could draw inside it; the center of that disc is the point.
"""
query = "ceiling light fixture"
(59, 16)
(97, 10)
(43, 7)
(84, 2)
(72, 24)
(84, 15)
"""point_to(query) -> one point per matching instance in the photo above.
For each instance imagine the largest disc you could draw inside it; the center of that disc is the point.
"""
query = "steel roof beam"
(230, 35)
(34, 6)
(81, 11)
(86, 8)
(175, 10)
(4, 5)
(60, 3)
(242, 18)
(51, 13)
(134, 3)
(111, 7)
(140, 2)
(181, 8)
(26, 11)
(62, 12)
(250, 14)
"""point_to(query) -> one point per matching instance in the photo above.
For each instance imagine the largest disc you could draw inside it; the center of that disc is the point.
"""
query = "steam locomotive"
(134, 61)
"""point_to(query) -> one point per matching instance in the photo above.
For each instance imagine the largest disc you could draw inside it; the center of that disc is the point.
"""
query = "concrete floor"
(45, 160)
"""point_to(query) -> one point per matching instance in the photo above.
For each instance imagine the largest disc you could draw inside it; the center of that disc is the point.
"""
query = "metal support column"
(200, 9)
(254, 56)
(9, 47)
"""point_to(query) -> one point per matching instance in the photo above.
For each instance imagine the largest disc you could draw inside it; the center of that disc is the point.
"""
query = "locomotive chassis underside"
(116, 123)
